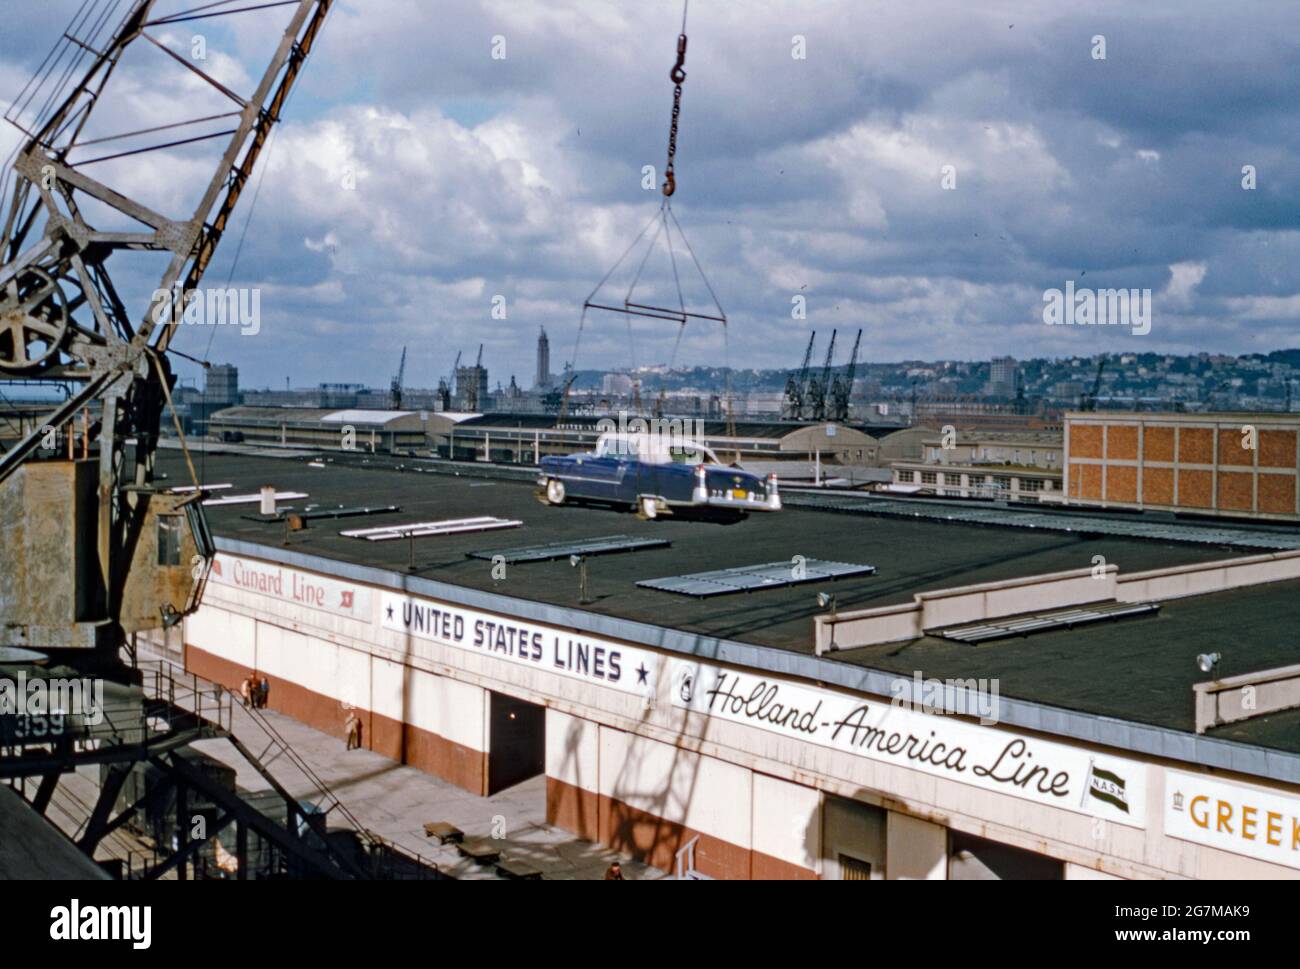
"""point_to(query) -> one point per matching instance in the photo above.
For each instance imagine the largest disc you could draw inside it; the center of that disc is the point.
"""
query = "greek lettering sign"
(1244, 820)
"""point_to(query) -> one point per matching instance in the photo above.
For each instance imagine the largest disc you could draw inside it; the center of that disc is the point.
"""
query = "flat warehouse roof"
(909, 555)
(1138, 670)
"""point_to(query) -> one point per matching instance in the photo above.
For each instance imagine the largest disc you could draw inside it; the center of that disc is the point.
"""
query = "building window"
(929, 477)
(169, 539)
(1031, 484)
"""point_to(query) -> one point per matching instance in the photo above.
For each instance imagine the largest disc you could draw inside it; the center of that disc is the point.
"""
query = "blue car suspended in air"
(655, 475)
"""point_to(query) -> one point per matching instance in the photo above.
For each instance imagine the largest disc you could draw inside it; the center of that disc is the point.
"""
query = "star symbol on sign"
(390, 612)
(641, 674)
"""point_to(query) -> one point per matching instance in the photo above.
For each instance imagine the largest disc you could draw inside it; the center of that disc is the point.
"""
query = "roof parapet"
(1244, 697)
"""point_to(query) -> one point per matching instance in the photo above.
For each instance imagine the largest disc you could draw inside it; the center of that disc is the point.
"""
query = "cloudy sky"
(417, 176)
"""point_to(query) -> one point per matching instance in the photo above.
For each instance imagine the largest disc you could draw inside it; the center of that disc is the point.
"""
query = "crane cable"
(678, 76)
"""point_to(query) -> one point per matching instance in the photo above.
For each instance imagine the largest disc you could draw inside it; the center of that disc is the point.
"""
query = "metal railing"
(217, 699)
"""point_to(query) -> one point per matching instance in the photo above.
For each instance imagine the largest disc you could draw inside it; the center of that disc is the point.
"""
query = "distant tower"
(543, 380)
(1002, 377)
(472, 385)
(222, 384)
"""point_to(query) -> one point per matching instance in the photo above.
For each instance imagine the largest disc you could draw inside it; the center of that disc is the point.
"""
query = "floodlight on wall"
(827, 599)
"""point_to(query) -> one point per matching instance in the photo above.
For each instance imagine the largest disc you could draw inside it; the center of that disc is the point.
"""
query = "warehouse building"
(895, 689)
(1234, 465)
(371, 431)
(525, 438)
(1011, 466)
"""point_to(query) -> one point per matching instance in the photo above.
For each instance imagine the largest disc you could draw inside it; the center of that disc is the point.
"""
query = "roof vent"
(1039, 622)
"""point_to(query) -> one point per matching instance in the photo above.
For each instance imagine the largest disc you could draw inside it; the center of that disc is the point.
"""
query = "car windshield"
(686, 455)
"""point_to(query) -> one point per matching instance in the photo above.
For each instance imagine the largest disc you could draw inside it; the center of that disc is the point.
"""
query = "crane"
(1089, 402)
(107, 551)
(842, 389)
(794, 386)
(820, 389)
(631, 265)
(471, 395)
(395, 389)
(447, 385)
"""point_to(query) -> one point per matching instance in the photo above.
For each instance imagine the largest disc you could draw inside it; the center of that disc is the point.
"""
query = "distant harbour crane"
(842, 389)
(819, 389)
(395, 389)
(1089, 402)
(796, 385)
(446, 385)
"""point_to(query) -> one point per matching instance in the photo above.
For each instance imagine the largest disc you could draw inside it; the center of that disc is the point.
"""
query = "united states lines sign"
(999, 760)
(601, 662)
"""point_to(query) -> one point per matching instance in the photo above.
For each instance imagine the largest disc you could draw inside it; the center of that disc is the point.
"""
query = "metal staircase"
(377, 858)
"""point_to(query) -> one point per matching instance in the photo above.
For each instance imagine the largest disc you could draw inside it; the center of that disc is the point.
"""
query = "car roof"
(651, 447)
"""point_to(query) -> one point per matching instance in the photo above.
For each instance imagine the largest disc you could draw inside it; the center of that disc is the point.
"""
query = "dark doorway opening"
(518, 742)
(975, 859)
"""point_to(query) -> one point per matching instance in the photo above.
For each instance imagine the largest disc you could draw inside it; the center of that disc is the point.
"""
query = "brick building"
(1241, 465)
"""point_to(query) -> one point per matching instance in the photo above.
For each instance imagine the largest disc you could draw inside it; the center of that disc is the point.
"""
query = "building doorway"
(517, 742)
(853, 840)
(976, 859)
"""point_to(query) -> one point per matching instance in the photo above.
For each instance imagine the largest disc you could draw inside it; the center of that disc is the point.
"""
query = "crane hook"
(678, 74)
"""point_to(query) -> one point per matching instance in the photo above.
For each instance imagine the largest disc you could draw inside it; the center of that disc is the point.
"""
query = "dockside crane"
(95, 549)
(796, 385)
(447, 385)
(395, 389)
(1089, 402)
(842, 390)
(97, 546)
(819, 390)
(471, 393)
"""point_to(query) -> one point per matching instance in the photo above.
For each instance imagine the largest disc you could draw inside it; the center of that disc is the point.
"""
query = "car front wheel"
(555, 491)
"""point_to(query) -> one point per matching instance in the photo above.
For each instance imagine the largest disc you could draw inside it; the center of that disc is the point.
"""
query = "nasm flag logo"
(102, 923)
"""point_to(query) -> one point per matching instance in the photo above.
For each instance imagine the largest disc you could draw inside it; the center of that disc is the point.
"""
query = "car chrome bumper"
(701, 497)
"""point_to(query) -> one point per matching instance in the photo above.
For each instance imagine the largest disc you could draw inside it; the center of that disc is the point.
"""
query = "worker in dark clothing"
(614, 873)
